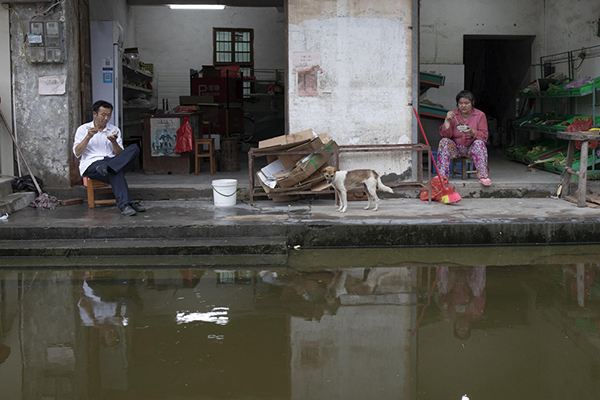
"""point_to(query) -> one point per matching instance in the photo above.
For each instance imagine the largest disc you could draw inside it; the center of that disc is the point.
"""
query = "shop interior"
(234, 94)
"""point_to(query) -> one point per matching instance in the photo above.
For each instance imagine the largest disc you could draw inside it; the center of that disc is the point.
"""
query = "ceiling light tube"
(196, 6)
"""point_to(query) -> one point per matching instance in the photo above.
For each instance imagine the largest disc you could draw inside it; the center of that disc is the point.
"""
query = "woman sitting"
(464, 133)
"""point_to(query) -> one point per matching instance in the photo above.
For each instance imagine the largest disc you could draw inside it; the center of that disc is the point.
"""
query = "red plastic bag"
(437, 187)
(582, 125)
(185, 137)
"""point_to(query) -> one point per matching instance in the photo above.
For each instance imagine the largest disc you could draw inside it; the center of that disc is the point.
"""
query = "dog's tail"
(381, 186)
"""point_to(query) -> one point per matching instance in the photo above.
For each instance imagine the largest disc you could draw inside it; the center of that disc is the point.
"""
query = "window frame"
(249, 64)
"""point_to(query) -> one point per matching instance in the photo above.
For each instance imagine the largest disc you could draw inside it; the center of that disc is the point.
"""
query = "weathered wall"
(45, 125)
(363, 88)
(571, 25)
(6, 144)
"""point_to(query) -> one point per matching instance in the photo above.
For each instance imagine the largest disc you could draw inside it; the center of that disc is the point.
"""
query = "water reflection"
(387, 333)
(461, 297)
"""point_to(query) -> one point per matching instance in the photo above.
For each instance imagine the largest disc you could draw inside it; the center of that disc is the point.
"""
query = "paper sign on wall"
(52, 85)
(307, 65)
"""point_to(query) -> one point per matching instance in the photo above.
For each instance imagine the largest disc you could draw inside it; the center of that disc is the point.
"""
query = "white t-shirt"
(98, 147)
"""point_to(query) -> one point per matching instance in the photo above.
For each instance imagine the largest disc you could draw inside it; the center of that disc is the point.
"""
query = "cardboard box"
(308, 166)
(290, 160)
(266, 176)
(287, 139)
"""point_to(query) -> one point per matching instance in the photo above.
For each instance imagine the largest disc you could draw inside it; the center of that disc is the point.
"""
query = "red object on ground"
(448, 194)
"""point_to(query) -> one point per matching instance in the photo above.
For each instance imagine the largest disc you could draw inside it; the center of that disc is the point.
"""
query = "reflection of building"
(10, 368)
(365, 350)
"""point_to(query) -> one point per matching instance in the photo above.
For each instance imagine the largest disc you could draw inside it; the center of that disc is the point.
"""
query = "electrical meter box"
(45, 42)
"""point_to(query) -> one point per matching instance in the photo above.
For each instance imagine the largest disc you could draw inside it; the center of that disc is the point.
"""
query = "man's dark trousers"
(116, 166)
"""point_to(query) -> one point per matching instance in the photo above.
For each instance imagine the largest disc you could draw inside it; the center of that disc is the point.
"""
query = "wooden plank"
(593, 198)
(573, 199)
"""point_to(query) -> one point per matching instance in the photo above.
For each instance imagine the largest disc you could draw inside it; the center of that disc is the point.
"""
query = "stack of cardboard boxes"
(295, 163)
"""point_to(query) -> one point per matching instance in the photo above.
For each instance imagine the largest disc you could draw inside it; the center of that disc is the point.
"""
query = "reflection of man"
(104, 309)
(4, 352)
(104, 315)
(100, 146)
(462, 297)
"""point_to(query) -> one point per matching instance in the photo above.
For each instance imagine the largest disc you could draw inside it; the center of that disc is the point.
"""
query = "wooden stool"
(199, 150)
(97, 187)
(466, 166)
(573, 137)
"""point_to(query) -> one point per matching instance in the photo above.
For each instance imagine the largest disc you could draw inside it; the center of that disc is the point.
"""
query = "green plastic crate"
(586, 89)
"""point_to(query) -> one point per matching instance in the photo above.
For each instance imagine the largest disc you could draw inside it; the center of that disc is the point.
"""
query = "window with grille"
(235, 47)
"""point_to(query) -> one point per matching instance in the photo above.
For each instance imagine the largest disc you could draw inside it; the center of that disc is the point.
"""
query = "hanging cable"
(24, 53)
(49, 10)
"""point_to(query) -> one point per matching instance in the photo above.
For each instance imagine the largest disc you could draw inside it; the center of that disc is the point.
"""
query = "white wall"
(115, 10)
(363, 78)
(6, 144)
(176, 41)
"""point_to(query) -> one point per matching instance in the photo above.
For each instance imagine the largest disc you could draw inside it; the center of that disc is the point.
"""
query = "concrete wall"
(569, 26)
(6, 144)
(45, 125)
(361, 60)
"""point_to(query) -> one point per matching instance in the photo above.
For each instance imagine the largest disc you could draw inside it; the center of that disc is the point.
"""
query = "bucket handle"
(225, 195)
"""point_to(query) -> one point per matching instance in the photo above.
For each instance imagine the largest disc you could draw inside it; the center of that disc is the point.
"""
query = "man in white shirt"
(100, 146)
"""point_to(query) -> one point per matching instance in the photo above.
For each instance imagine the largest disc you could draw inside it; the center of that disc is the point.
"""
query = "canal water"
(329, 324)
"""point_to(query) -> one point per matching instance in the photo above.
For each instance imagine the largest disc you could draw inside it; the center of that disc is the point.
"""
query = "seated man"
(100, 146)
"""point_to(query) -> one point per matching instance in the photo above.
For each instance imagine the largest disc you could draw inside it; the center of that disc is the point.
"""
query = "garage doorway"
(496, 68)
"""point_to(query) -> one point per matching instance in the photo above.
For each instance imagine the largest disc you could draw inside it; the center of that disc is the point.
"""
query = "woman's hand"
(450, 116)
(470, 131)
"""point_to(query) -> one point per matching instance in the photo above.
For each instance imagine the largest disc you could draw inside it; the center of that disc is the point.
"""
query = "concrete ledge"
(6, 185)
(16, 201)
(146, 247)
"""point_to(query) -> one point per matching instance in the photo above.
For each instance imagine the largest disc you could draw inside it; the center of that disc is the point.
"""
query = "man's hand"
(113, 138)
(92, 131)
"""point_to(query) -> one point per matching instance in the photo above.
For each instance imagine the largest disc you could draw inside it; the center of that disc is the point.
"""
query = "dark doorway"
(496, 68)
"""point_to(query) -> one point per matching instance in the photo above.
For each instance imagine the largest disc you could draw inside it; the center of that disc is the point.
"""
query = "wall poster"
(164, 136)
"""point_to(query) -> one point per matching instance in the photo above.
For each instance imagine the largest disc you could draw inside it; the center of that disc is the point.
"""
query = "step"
(15, 202)
(5, 185)
(67, 248)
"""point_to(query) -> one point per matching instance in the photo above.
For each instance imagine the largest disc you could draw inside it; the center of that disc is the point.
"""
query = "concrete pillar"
(6, 144)
(349, 75)
(45, 124)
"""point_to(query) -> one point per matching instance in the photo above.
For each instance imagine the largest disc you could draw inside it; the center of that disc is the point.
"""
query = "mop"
(448, 195)
(43, 200)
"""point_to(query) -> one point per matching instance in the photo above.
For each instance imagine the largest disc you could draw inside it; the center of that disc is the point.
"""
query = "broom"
(43, 200)
(449, 195)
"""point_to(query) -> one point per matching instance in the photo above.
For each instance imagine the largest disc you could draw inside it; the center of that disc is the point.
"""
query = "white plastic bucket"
(224, 192)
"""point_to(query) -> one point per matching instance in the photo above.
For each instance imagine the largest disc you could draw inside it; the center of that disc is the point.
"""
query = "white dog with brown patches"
(342, 181)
